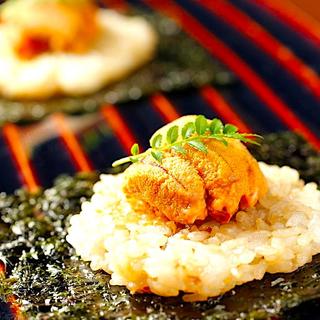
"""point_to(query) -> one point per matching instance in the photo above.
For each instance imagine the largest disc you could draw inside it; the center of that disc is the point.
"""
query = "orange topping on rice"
(189, 186)
(51, 26)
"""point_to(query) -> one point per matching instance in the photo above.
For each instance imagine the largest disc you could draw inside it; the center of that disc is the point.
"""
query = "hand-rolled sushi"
(156, 227)
(51, 47)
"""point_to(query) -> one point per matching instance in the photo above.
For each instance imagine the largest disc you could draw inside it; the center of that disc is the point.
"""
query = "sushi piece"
(40, 255)
(147, 248)
(68, 47)
(172, 68)
(189, 186)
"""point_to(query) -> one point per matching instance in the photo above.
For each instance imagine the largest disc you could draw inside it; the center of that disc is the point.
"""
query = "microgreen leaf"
(216, 126)
(192, 134)
(172, 134)
(122, 161)
(230, 129)
(247, 140)
(179, 148)
(135, 149)
(156, 141)
(134, 159)
(187, 130)
(224, 141)
(247, 137)
(200, 146)
(201, 125)
(157, 155)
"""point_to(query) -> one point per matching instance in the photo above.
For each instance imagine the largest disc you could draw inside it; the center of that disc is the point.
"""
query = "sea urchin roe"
(191, 185)
(50, 26)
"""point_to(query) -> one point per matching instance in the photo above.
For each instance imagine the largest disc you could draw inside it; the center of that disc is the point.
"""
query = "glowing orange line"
(120, 5)
(164, 107)
(223, 109)
(293, 16)
(15, 308)
(72, 144)
(11, 300)
(12, 136)
(263, 39)
(118, 125)
(230, 58)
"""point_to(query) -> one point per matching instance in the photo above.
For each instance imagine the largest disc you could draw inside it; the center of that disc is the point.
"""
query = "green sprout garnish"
(191, 134)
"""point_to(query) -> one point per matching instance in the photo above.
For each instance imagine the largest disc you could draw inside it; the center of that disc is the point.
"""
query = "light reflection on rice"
(142, 251)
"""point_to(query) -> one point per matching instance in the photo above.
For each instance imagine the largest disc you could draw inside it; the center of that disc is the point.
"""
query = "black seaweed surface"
(51, 283)
(289, 149)
(175, 67)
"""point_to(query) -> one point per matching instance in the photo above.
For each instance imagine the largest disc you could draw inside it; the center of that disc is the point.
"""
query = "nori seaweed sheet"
(50, 282)
(179, 63)
(287, 148)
